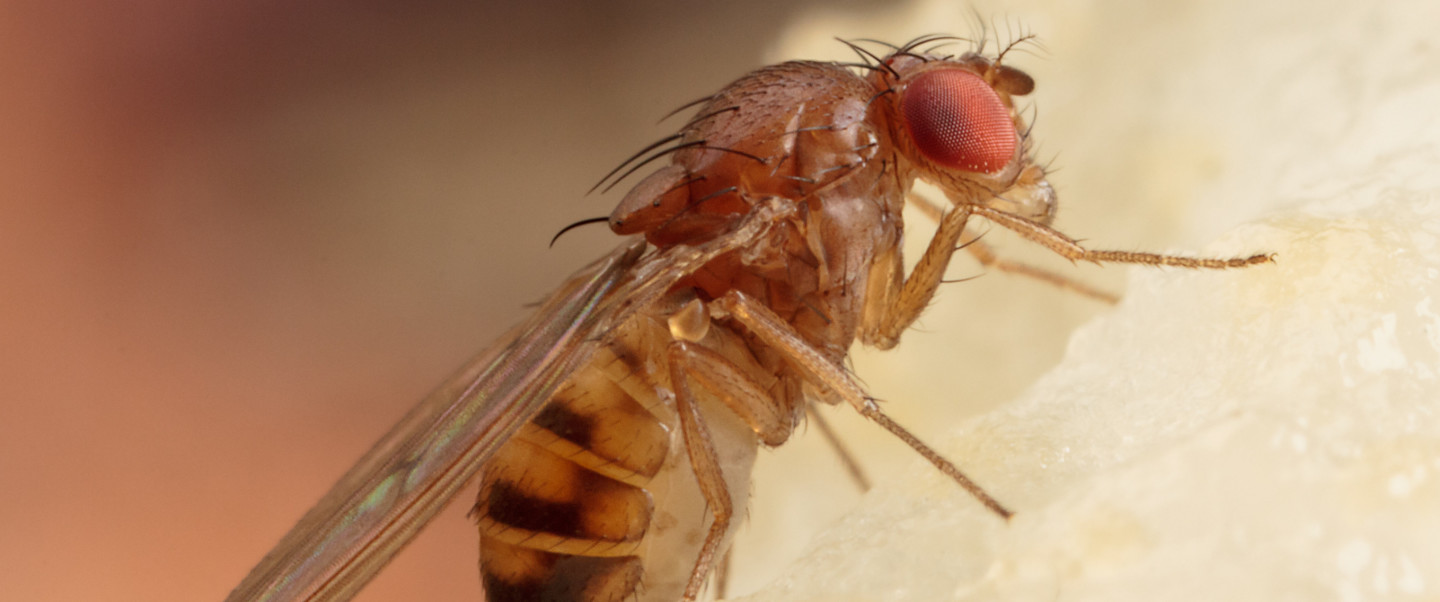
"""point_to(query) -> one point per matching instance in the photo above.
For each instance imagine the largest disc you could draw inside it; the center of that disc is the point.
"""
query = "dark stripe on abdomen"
(548, 577)
(561, 508)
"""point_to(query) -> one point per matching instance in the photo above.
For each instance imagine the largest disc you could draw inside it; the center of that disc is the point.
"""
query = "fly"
(614, 430)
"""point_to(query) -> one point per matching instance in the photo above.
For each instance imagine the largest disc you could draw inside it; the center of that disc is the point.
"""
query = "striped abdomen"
(594, 500)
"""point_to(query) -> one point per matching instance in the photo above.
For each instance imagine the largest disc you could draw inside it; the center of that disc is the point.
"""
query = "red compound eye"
(957, 121)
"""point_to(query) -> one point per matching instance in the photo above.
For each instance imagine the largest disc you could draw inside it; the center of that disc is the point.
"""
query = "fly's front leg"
(919, 286)
(779, 335)
(984, 254)
(987, 257)
(1070, 249)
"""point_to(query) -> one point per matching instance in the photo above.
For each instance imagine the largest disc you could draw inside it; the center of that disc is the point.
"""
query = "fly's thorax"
(787, 130)
(954, 124)
(805, 131)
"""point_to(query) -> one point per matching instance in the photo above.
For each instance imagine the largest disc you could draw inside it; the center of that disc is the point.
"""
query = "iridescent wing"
(416, 468)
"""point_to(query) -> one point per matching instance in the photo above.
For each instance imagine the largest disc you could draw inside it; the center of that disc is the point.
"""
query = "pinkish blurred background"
(240, 238)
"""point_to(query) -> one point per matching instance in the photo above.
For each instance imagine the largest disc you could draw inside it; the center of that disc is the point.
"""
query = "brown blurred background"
(239, 238)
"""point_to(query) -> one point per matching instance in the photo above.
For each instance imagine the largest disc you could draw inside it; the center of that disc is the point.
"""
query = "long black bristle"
(583, 222)
(653, 146)
(656, 155)
(696, 102)
(864, 54)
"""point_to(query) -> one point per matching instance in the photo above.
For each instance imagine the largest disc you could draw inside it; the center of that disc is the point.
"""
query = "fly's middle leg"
(781, 336)
(847, 458)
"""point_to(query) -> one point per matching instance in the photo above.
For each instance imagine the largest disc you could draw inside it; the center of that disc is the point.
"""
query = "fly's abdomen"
(562, 508)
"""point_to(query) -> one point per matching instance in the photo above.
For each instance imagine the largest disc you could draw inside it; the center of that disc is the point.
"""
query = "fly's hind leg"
(706, 464)
(692, 364)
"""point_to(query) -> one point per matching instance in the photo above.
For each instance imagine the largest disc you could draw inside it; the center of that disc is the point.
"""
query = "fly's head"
(954, 122)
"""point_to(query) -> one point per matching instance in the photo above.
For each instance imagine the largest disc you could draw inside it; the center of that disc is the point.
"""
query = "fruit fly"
(613, 432)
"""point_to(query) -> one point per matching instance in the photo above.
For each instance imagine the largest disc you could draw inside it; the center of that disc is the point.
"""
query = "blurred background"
(239, 238)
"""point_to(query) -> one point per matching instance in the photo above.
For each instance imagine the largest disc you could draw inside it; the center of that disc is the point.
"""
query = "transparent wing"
(409, 475)
(416, 468)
